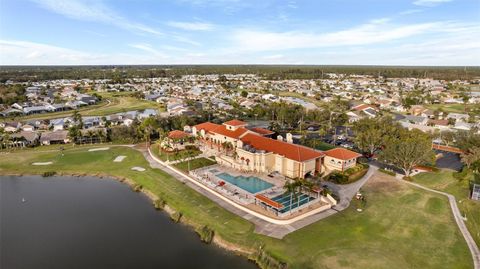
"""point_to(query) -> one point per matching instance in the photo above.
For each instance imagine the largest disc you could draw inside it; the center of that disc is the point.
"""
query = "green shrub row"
(387, 172)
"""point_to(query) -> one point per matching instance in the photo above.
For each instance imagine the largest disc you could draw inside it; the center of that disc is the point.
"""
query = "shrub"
(265, 260)
(191, 147)
(177, 216)
(387, 172)
(206, 234)
(49, 173)
(460, 176)
(337, 177)
(136, 187)
(159, 203)
(407, 178)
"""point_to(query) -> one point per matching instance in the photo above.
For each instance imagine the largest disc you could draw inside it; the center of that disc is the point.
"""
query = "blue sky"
(373, 32)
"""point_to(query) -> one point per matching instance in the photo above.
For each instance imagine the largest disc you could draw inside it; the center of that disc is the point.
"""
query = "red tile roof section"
(342, 154)
(235, 123)
(290, 151)
(177, 134)
(207, 126)
(269, 201)
(261, 131)
(220, 129)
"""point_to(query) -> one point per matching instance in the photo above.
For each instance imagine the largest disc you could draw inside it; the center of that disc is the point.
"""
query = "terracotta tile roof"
(235, 123)
(438, 122)
(207, 126)
(220, 129)
(177, 134)
(290, 151)
(342, 154)
(363, 107)
(261, 131)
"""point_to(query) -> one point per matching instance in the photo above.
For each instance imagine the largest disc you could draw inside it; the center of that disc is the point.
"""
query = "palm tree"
(290, 189)
(90, 134)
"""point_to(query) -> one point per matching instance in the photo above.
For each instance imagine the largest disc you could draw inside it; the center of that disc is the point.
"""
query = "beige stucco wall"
(337, 164)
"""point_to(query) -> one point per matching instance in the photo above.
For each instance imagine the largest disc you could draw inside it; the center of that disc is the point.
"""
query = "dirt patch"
(384, 183)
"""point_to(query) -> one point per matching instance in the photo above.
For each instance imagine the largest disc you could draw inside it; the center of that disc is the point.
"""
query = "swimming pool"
(250, 184)
(285, 199)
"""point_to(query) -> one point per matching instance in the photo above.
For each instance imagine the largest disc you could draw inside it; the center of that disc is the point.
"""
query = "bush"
(159, 203)
(407, 178)
(49, 173)
(387, 172)
(177, 216)
(265, 260)
(136, 187)
(206, 234)
(337, 177)
(191, 147)
(460, 176)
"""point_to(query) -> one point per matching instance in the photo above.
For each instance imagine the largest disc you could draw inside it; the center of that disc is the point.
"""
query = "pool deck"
(266, 226)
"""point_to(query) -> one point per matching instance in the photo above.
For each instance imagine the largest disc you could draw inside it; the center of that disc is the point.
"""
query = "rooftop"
(342, 154)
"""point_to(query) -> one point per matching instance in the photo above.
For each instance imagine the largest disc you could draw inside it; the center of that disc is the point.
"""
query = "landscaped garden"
(175, 155)
(194, 164)
(348, 176)
(400, 227)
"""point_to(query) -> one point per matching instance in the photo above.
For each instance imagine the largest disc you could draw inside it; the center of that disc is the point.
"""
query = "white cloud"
(371, 33)
(410, 11)
(191, 26)
(430, 3)
(88, 10)
(149, 48)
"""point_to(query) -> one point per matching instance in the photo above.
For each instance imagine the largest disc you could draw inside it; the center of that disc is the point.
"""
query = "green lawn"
(401, 227)
(455, 108)
(194, 164)
(444, 181)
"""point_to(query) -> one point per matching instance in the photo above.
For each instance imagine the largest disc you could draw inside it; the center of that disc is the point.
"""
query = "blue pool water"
(250, 184)
(284, 199)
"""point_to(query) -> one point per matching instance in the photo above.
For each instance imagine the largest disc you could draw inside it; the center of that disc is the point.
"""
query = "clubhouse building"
(253, 150)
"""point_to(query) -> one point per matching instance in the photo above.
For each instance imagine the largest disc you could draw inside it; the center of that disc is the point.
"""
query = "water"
(67, 222)
(284, 199)
(250, 184)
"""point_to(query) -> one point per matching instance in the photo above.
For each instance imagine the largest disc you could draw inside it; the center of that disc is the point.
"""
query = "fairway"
(444, 181)
(401, 227)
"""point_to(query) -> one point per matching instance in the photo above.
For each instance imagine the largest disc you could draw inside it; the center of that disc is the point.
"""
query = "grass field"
(115, 104)
(401, 227)
(444, 181)
(194, 164)
(455, 108)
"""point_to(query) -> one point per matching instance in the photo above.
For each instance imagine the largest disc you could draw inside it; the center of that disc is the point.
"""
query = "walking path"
(263, 224)
(458, 219)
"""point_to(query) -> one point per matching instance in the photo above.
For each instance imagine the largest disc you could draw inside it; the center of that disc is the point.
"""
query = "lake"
(70, 222)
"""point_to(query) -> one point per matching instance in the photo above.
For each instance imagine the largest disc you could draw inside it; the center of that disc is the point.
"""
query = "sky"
(320, 32)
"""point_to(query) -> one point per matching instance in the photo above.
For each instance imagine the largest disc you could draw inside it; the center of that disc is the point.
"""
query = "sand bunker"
(138, 168)
(119, 158)
(44, 163)
(98, 149)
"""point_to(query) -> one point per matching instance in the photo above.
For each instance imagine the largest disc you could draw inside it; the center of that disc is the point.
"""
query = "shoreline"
(217, 240)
